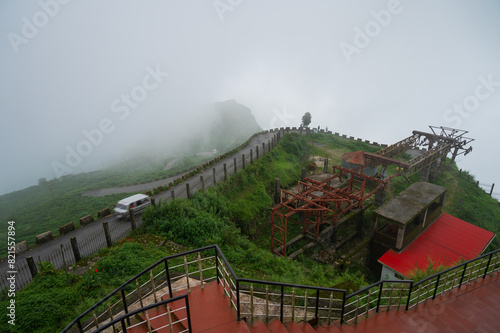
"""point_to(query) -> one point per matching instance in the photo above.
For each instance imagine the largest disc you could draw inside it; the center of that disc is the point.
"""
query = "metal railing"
(148, 321)
(265, 300)
(161, 280)
(288, 301)
(382, 295)
(454, 277)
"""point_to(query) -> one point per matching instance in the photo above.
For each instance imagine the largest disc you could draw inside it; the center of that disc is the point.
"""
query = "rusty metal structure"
(439, 143)
(317, 203)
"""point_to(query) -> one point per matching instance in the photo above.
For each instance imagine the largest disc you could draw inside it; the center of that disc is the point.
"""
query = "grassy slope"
(35, 210)
(231, 207)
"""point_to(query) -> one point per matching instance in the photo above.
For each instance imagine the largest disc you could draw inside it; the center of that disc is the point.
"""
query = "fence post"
(32, 266)
(202, 183)
(125, 308)
(303, 176)
(343, 308)
(217, 265)
(238, 310)
(170, 292)
(256, 152)
(235, 165)
(491, 191)
(243, 161)
(263, 147)
(106, 234)
(132, 219)
(380, 295)
(76, 251)
(225, 171)
(188, 192)
(251, 155)
(462, 278)
(188, 313)
(487, 266)
(437, 285)
(325, 166)
(213, 172)
(409, 295)
(172, 194)
(317, 307)
(282, 302)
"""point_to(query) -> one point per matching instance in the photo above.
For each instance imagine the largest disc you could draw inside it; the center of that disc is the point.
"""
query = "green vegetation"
(470, 203)
(235, 215)
(306, 119)
(54, 203)
(55, 297)
(236, 211)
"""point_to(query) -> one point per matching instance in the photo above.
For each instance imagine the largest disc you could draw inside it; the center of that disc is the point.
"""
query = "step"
(136, 328)
(210, 310)
(335, 328)
(301, 327)
(277, 326)
(159, 321)
(327, 329)
(259, 327)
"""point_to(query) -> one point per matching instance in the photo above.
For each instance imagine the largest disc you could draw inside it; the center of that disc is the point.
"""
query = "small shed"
(356, 159)
(447, 241)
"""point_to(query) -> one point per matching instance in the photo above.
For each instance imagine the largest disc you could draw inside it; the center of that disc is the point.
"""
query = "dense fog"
(97, 80)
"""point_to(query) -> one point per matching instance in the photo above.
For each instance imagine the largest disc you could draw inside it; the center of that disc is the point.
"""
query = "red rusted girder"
(319, 203)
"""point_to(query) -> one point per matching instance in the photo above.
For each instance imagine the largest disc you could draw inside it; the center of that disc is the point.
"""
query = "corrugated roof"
(355, 157)
(445, 242)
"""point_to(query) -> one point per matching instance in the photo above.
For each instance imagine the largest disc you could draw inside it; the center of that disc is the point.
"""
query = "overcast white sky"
(139, 71)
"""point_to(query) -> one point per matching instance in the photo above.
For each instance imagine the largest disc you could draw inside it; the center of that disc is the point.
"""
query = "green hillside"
(36, 209)
(235, 215)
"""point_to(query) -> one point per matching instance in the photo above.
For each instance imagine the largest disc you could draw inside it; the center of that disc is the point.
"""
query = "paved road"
(92, 236)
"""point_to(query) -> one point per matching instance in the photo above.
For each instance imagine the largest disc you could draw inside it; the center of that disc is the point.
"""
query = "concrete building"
(411, 230)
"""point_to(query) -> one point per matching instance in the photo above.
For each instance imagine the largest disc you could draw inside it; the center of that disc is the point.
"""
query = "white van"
(137, 203)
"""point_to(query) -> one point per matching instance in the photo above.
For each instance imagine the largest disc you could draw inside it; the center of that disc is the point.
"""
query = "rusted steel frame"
(444, 133)
(385, 161)
(427, 158)
(434, 137)
(317, 183)
(281, 230)
(311, 189)
(297, 197)
(398, 147)
(335, 167)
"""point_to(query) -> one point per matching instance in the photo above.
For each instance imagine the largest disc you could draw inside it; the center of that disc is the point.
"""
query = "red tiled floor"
(259, 327)
(475, 307)
(211, 311)
(277, 326)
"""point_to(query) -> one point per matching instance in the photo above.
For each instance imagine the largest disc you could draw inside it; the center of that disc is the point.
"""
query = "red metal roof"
(446, 241)
(355, 157)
